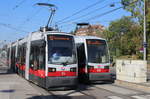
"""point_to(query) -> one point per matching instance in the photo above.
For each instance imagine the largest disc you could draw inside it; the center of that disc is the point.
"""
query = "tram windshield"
(97, 51)
(61, 49)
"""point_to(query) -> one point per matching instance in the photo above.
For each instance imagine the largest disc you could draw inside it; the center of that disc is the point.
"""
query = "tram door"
(33, 62)
(21, 59)
(37, 63)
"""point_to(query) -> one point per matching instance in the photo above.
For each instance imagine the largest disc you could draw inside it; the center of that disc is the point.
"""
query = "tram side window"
(34, 57)
(37, 57)
(13, 56)
(19, 54)
(31, 56)
(42, 58)
(8, 54)
(23, 54)
(81, 55)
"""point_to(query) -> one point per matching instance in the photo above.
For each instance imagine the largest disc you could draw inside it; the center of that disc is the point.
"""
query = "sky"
(20, 17)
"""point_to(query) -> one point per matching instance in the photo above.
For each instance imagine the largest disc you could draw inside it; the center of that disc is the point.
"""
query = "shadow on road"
(59, 97)
(78, 93)
(7, 91)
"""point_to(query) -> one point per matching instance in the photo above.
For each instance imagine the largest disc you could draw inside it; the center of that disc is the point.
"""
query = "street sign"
(144, 44)
(141, 50)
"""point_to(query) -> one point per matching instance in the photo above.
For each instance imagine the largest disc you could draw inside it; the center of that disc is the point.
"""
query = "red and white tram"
(93, 59)
(47, 58)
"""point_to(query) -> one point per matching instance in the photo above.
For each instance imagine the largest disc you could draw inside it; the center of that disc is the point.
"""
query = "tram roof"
(56, 32)
(89, 37)
(36, 36)
(51, 32)
(79, 39)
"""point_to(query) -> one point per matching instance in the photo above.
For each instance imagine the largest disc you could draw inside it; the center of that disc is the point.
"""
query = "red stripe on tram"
(61, 73)
(98, 70)
(22, 67)
(17, 65)
(39, 73)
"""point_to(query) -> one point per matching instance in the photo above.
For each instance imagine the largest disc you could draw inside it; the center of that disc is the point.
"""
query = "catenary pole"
(144, 34)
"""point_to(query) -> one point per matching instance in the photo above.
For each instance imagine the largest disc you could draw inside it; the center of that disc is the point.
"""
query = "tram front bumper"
(100, 76)
(53, 82)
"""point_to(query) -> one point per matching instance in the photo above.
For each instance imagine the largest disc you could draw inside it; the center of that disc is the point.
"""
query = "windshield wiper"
(65, 63)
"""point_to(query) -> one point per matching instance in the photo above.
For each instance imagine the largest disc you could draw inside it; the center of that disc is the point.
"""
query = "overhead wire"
(105, 13)
(95, 10)
(11, 27)
(108, 12)
(84, 9)
(29, 18)
(102, 14)
(19, 4)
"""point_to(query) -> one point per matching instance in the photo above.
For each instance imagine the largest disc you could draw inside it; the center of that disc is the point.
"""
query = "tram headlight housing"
(90, 67)
(106, 67)
(73, 69)
(51, 69)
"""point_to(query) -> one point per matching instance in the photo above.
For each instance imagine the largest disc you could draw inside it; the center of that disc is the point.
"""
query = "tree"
(125, 37)
(136, 10)
(136, 7)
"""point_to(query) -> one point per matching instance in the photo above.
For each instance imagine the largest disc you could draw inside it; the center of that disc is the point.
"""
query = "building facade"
(90, 30)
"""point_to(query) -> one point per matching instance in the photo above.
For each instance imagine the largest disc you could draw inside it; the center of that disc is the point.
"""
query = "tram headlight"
(73, 69)
(51, 69)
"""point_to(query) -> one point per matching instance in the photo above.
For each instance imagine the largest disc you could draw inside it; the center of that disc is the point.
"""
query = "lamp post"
(144, 34)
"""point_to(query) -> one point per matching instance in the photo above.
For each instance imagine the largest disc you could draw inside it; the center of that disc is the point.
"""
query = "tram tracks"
(63, 94)
(83, 91)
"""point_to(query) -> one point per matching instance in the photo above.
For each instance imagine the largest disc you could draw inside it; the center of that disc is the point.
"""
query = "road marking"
(67, 93)
(117, 89)
(114, 97)
(138, 97)
(141, 97)
(76, 94)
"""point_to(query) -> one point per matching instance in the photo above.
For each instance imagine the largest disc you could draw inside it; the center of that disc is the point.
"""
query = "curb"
(138, 86)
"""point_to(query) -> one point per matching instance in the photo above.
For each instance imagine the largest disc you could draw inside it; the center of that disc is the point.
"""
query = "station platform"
(13, 86)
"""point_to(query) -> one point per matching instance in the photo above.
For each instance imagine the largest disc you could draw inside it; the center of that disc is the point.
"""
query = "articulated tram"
(93, 59)
(47, 58)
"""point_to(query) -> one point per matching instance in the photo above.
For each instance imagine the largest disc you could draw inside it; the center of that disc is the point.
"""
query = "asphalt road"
(94, 91)
(100, 90)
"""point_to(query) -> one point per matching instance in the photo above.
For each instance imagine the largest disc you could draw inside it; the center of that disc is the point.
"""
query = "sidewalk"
(145, 87)
(13, 86)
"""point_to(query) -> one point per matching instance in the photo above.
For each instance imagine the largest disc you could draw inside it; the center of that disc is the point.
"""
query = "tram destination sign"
(95, 42)
(58, 37)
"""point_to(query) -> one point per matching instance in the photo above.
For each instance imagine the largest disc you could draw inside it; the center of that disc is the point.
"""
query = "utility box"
(131, 70)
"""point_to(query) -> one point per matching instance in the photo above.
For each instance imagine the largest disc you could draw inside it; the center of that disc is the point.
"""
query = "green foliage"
(136, 7)
(137, 11)
(124, 37)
